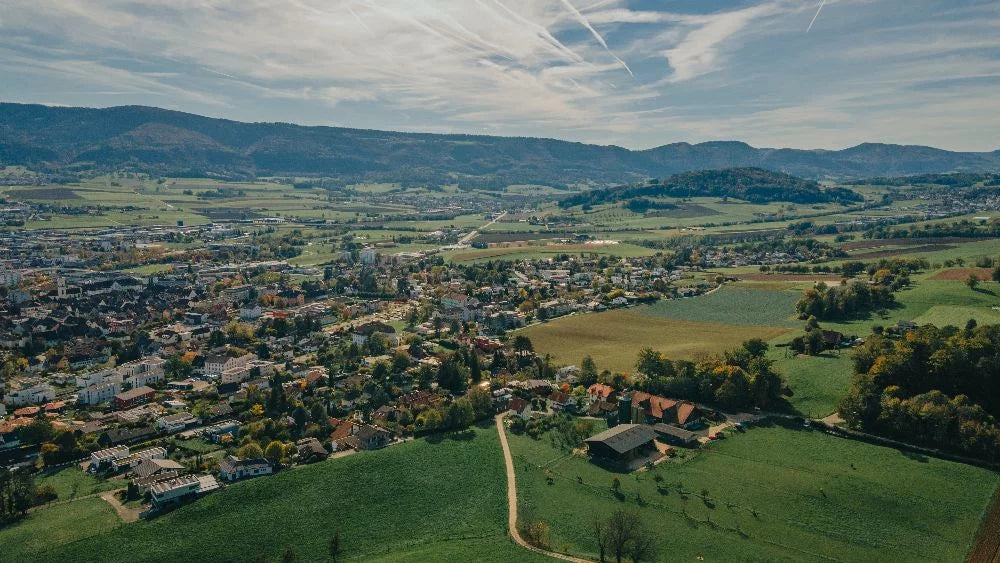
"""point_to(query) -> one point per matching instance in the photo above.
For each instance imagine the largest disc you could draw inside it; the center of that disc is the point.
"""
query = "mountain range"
(166, 142)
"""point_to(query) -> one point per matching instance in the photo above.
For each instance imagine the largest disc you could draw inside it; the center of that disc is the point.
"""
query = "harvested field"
(614, 338)
(986, 548)
(878, 243)
(43, 194)
(493, 237)
(791, 277)
(905, 250)
(684, 211)
(962, 274)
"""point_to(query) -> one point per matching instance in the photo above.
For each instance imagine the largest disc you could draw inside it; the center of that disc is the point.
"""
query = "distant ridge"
(165, 142)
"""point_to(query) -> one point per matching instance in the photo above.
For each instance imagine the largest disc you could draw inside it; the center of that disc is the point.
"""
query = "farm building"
(622, 443)
(675, 436)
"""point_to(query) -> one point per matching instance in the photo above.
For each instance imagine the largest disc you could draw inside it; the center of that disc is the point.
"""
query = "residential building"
(99, 393)
(133, 397)
(34, 395)
(233, 468)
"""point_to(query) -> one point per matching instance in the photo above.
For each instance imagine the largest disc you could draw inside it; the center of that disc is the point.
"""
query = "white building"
(144, 371)
(216, 364)
(106, 458)
(369, 256)
(96, 377)
(35, 395)
(175, 491)
(99, 393)
(252, 369)
(175, 422)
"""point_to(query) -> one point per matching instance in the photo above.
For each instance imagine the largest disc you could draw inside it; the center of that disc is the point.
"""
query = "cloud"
(733, 69)
(699, 51)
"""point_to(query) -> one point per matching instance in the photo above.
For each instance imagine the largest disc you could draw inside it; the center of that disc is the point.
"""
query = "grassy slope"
(382, 507)
(811, 503)
(28, 539)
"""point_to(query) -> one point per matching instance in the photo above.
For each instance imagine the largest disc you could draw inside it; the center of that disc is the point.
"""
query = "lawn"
(817, 382)
(422, 500)
(775, 494)
(733, 304)
(59, 525)
(937, 302)
(72, 482)
(613, 338)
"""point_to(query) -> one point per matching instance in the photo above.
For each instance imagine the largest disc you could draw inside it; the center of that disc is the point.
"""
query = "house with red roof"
(651, 409)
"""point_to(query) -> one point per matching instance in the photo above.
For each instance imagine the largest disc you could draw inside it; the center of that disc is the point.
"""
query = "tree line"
(741, 377)
(938, 387)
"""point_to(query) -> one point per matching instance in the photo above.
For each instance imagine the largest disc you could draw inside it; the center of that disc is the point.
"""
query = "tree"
(273, 452)
(588, 371)
(522, 345)
(475, 369)
(250, 450)
(972, 281)
(996, 274)
(622, 528)
(334, 546)
(601, 537)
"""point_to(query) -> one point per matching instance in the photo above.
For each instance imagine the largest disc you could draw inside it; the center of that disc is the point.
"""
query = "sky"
(635, 73)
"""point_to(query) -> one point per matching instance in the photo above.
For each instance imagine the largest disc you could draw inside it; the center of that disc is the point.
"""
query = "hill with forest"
(749, 184)
(73, 140)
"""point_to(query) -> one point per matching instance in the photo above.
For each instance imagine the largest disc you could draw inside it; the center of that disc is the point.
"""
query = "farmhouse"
(624, 442)
(650, 409)
(675, 436)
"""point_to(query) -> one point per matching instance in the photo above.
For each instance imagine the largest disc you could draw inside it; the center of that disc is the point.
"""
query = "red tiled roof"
(601, 389)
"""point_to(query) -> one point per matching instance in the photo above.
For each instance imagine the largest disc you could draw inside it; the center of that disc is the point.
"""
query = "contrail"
(816, 16)
(586, 23)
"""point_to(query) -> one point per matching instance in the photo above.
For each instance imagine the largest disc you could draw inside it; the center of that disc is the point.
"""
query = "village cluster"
(218, 367)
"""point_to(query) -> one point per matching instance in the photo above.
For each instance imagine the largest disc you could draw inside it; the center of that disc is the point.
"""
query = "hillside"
(174, 143)
(750, 184)
(378, 504)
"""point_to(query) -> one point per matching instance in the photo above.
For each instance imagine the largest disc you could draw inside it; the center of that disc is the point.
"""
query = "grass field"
(59, 525)
(817, 382)
(733, 304)
(454, 506)
(775, 495)
(71, 482)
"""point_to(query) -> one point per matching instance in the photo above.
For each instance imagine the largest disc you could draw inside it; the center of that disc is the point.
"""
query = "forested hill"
(750, 184)
(174, 143)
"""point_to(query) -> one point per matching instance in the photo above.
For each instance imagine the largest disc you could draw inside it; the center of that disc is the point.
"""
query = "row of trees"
(740, 378)
(935, 386)
(845, 301)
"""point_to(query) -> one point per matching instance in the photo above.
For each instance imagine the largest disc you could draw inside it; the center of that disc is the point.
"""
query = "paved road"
(512, 503)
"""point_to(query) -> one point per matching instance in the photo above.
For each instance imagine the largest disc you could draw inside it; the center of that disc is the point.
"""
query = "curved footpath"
(512, 503)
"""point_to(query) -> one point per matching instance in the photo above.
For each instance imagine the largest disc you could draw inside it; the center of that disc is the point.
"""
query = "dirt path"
(833, 419)
(512, 503)
(986, 546)
(127, 514)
